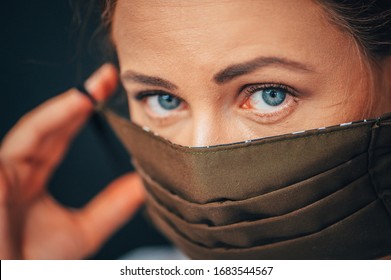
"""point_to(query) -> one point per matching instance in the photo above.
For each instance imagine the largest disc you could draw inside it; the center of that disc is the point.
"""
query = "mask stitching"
(252, 144)
(255, 143)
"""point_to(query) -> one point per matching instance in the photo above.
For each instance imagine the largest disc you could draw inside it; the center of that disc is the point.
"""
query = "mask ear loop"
(98, 106)
(81, 88)
(102, 129)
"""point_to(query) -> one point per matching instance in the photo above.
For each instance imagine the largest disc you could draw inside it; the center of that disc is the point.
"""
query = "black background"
(45, 51)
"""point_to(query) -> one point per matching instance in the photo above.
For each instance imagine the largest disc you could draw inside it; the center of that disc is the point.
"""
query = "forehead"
(216, 32)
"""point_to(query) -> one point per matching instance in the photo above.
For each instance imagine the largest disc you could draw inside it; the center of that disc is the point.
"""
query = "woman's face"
(210, 72)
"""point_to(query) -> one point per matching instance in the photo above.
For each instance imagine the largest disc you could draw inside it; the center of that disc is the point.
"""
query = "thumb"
(110, 209)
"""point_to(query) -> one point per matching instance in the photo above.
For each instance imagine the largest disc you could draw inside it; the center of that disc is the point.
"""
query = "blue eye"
(273, 97)
(168, 102)
(267, 98)
(161, 104)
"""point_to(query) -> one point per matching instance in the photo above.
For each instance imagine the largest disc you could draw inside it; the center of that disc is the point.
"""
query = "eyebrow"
(147, 80)
(227, 74)
(235, 70)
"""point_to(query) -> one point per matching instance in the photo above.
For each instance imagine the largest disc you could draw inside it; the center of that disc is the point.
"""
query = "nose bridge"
(206, 128)
(207, 112)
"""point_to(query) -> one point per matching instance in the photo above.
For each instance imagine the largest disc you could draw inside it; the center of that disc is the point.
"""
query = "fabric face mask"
(319, 194)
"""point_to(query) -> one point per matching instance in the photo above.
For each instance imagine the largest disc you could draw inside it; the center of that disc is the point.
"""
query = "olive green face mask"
(319, 194)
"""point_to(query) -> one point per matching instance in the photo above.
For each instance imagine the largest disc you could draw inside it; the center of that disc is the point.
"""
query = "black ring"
(80, 87)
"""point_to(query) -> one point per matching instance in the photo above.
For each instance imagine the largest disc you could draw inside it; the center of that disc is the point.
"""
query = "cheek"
(136, 114)
(179, 133)
(357, 99)
(350, 103)
(347, 94)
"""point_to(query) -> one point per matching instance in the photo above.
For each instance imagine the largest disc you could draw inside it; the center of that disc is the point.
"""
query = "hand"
(32, 224)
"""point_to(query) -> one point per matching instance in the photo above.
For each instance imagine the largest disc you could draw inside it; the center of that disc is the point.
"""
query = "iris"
(168, 102)
(273, 97)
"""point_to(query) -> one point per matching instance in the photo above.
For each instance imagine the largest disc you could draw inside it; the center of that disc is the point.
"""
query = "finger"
(110, 209)
(42, 136)
(101, 89)
(8, 248)
(58, 115)
(37, 143)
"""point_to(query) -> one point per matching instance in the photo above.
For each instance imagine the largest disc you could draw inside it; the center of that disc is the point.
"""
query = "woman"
(206, 74)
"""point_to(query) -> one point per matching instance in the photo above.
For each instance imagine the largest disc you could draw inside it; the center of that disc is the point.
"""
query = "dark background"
(47, 47)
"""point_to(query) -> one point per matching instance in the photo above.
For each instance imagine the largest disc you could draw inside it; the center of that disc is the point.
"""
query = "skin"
(32, 224)
(186, 44)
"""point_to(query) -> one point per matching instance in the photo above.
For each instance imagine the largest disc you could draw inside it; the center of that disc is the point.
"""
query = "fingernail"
(91, 83)
(101, 83)
(81, 88)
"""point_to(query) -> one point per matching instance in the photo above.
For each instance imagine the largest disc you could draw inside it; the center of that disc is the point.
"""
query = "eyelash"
(251, 89)
(247, 89)
(140, 96)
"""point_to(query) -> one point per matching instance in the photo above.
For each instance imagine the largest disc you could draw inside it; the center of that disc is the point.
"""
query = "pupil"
(273, 94)
(167, 98)
(168, 102)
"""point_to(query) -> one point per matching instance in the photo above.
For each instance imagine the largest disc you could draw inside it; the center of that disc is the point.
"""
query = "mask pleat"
(362, 235)
(319, 194)
(304, 221)
(198, 175)
(271, 204)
